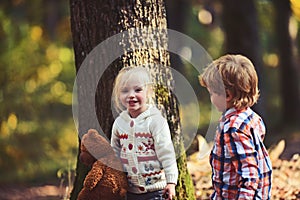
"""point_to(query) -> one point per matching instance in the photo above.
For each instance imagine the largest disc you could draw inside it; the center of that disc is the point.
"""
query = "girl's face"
(133, 96)
(218, 100)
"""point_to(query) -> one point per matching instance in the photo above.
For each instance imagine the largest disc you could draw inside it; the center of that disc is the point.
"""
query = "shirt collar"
(230, 112)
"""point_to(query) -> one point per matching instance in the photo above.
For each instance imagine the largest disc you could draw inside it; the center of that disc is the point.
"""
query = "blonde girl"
(142, 139)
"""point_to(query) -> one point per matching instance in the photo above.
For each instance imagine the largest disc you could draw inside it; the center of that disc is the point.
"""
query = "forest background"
(38, 138)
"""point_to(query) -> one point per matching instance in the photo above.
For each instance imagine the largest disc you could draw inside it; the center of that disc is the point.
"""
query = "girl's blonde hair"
(128, 73)
(236, 74)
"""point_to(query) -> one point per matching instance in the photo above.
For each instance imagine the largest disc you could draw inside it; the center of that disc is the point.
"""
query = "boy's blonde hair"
(125, 74)
(233, 73)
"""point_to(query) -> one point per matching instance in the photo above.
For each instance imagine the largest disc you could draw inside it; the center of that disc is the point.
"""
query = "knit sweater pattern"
(145, 148)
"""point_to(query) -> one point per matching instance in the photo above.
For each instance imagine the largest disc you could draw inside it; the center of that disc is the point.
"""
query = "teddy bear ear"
(92, 131)
(91, 135)
(96, 144)
(95, 135)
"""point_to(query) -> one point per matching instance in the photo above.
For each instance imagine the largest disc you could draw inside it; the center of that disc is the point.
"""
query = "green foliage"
(210, 36)
(37, 133)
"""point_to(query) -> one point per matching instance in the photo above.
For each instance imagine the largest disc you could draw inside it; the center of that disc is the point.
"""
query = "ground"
(52, 191)
(21, 192)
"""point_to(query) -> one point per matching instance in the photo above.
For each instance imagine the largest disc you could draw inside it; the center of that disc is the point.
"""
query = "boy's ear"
(229, 96)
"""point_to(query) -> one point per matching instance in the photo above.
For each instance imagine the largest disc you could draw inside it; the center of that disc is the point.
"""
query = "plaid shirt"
(241, 167)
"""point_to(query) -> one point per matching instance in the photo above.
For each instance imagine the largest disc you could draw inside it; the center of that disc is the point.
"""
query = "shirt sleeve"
(243, 156)
(165, 150)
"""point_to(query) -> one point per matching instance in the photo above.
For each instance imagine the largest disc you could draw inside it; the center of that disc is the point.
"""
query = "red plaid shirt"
(241, 167)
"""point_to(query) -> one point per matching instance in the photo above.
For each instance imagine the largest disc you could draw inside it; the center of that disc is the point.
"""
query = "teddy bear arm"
(118, 181)
(94, 175)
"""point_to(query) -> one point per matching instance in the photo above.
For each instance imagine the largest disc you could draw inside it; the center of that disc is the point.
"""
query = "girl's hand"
(169, 191)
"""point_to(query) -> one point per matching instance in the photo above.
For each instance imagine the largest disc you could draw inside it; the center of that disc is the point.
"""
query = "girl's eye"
(138, 89)
(124, 90)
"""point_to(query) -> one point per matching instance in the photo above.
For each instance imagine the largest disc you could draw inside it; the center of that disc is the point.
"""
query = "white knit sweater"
(145, 147)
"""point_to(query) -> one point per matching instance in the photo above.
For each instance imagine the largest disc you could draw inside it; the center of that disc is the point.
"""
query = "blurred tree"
(178, 12)
(92, 22)
(289, 75)
(176, 17)
(240, 25)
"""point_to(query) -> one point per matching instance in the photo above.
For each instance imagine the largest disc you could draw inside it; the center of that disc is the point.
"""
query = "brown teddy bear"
(105, 180)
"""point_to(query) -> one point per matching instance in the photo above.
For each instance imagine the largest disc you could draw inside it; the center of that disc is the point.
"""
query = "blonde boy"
(241, 167)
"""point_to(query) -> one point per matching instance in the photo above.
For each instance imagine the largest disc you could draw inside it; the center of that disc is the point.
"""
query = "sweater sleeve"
(164, 149)
(115, 142)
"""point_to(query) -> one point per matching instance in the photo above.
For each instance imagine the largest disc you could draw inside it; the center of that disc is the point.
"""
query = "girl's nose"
(131, 93)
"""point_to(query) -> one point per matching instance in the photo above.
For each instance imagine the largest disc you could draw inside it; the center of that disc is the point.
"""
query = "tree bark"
(91, 23)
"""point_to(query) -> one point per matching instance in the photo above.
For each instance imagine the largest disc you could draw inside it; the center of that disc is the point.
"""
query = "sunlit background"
(38, 139)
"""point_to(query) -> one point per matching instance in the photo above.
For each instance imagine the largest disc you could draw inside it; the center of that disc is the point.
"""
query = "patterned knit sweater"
(145, 147)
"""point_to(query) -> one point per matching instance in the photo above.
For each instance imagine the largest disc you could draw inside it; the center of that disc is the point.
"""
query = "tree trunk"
(241, 36)
(92, 22)
(289, 75)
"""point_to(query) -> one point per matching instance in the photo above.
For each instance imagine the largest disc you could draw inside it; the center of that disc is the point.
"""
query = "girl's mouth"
(132, 102)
